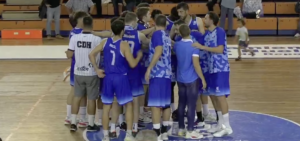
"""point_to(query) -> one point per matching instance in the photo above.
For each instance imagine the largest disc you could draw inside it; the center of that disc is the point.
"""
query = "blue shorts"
(143, 72)
(116, 85)
(219, 84)
(159, 92)
(101, 86)
(136, 87)
(207, 78)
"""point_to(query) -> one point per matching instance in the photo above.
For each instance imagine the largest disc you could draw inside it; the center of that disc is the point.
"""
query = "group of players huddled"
(139, 66)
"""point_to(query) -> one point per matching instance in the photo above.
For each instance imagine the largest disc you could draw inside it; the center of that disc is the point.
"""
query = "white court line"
(86, 139)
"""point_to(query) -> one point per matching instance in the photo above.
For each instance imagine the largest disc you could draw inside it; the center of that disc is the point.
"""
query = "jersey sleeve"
(157, 39)
(72, 44)
(196, 53)
(221, 37)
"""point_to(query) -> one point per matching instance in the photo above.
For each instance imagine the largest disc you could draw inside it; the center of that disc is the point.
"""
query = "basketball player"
(78, 16)
(196, 37)
(144, 17)
(216, 44)
(195, 24)
(86, 79)
(188, 74)
(117, 56)
(159, 75)
(135, 40)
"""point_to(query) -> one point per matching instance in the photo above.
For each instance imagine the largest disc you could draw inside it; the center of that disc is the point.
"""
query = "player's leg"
(222, 91)
(92, 83)
(82, 112)
(204, 99)
(70, 96)
(181, 108)
(147, 110)
(115, 112)
(80, 91)
(239, 54)
(173, 96)
(166, 110)
(192, 94)
(100, 104)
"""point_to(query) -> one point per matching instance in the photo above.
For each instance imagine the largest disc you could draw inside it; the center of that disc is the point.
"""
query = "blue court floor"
(247, 126)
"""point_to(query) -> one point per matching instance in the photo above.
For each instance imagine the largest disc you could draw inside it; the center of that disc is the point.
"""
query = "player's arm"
(103, 34)
(172, 32)
(196, 63)
(221, 38)
(157, 54)
(71, 49)
(95, 52)
(148, 31)
(128, 55)
(247, 36)
(200, 25)
(145, 41)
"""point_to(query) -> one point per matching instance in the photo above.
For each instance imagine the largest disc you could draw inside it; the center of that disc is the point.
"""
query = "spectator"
(211, 3)
(79, 5)
(130, 4)
(53, 10)
(252, 8)
(227, 7)
(118, 4)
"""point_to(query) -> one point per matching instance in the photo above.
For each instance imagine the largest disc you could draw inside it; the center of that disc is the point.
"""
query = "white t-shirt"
(242, 33)
(82, 45)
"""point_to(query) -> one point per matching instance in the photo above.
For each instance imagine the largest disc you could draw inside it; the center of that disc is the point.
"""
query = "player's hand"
(140, 54)
(147, 75)
(100, 73)
(204, 85)
(197, 45)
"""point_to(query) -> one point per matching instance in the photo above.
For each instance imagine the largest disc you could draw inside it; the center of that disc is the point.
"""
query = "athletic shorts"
(86, 85)
(116, 85)
(207, 79)
(219, 84)
(136, 87)
(243, 44)
(159, 92)
(100, 86)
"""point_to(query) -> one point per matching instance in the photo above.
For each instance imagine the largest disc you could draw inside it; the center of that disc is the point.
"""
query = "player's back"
(169, 26)
(131, 36)
(193, 25)
(185, 68)
(114, 60)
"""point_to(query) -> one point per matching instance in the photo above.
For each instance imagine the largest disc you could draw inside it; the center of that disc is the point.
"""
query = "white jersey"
(242, 32)
(82, 45)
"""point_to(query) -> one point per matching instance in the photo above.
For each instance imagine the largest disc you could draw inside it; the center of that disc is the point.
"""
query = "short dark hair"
(174, 14)
(182, 5)
(154, 13)
(143, 5)
(242, 21)
(117, 27)
(130, 17)
(161, 20)
(77, 15)
(88, 22)
(214, 17)
(141, 12)
(113, 19)
(184, 30)
(179, 22)
(121, 19)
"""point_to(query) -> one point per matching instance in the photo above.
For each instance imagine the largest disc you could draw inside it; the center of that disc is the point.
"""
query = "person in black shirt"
(53, 10)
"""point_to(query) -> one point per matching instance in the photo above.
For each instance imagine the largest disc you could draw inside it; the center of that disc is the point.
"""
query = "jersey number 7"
(131, 45)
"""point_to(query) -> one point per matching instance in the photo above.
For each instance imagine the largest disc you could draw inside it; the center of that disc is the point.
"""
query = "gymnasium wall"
(280, 18)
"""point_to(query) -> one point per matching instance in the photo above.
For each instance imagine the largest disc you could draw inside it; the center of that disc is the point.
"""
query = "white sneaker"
(297, 35)
(182, 133)
(164, 136)
(106, 138)
(200, 124)
(129, 137)
(209, 117)
(98, 123)
(159, 138)
(223, 132)
(215, 128)
(83, 123)
(193, 135)
(67, 121)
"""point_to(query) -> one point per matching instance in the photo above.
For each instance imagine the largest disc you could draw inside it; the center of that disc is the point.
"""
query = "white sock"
(135, 127)
(69, 109)
(91, 119)
(156, 126)
(100, 111)
(124, 110)
(129, 132)
(105, 133)
(166, 123)
(226, 120)
(205, 109)
(112, 127)
(73, 119)
(141, 109)
(121, 119)
(221, 120)
(82, 112)
(172, 107)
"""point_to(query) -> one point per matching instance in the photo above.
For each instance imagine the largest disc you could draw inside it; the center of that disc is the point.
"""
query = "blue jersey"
(162, 68)
(131, 36)
(185, 52)
(193, 24)
(114, 61)
(169, 26)
(74, 31)
(217, 62)
(141, 25)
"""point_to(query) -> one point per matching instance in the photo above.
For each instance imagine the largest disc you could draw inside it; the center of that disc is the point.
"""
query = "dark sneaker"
(123, 126)
(93, 128)
(113, 134)
(73, 128)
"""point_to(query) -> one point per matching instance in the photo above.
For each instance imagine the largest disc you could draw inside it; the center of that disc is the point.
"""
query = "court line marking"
(86, 139)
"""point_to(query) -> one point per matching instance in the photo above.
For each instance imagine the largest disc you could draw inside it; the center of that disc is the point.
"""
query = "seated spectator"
(252, 8)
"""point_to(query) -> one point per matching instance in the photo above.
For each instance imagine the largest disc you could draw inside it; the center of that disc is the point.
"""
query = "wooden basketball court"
(33, 96)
